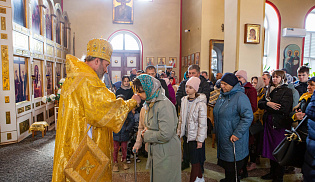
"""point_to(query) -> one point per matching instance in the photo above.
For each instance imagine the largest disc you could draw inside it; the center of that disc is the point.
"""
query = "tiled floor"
(32, 160)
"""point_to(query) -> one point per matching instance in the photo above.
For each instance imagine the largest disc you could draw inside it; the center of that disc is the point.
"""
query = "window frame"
(124, 33)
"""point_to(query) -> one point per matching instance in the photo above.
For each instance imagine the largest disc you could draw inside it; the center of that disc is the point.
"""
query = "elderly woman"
(232, 117)
(164, 150)
(278, 104)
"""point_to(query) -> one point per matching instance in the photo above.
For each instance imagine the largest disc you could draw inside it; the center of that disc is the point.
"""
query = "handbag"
(291, 150)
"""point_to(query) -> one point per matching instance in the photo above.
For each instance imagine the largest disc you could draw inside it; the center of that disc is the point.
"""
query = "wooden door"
(122, 62)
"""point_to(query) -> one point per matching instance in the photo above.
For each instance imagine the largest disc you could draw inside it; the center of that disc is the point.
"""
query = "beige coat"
(139, 140)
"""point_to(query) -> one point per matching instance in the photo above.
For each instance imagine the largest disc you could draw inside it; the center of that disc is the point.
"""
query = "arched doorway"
(126, 55)
(272, 29)
(309, 40)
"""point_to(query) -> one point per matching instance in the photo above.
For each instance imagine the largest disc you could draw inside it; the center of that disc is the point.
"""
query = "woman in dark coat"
(232, 117)
(278, 105)
(125, 88)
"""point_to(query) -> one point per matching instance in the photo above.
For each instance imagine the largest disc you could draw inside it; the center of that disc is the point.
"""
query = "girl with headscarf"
(171, 92)
(164, 147)
(278, 104)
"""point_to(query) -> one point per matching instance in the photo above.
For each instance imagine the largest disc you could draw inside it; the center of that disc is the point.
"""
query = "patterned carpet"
(32, 160)
(29, 160)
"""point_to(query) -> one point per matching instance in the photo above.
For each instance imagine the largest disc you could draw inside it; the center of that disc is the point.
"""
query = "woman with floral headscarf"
(164, 147)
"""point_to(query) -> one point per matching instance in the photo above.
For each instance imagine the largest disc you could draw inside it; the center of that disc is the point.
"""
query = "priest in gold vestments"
(86, 100)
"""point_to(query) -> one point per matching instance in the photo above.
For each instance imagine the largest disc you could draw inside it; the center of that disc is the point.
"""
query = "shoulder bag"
(291, 150)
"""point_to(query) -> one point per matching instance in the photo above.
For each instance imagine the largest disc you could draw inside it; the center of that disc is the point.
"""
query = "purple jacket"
(171, 94)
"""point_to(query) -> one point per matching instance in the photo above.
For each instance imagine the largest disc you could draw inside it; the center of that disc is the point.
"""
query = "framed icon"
(197, 58)
(172, 61)
(161, 60)
(150, 61)
(252, 34)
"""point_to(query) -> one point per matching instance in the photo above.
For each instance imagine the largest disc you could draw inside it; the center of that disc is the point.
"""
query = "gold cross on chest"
(87, 167)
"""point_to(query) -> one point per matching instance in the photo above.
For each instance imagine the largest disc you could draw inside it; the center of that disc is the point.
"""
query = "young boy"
(303, 74)
(193, 125)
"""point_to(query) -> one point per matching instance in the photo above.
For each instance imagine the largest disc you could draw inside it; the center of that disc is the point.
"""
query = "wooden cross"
(87, 167)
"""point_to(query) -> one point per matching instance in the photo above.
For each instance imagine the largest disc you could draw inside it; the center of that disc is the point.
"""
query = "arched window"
(271, 42)
(125, 41)
(309, 43)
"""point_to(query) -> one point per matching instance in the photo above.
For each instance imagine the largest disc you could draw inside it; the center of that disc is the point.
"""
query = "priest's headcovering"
(99, 48)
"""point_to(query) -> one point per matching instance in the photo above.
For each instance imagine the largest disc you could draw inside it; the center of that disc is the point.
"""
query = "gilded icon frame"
(252, 34)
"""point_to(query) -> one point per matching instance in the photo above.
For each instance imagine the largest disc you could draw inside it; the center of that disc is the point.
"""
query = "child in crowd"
(303, 74)
(127, 91)
(193, 124)
(121, 139)
(125, 88)
(132, 140)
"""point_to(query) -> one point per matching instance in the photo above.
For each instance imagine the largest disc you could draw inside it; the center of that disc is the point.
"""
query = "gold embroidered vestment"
(86, 100)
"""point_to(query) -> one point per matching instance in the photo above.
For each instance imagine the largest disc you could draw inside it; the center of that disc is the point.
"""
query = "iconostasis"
(35, 38)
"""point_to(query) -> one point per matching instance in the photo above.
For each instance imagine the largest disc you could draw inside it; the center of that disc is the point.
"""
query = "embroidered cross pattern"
(87, 167)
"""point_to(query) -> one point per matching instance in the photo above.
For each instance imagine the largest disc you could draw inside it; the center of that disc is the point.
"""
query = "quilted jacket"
(196, 121)
(233, 115)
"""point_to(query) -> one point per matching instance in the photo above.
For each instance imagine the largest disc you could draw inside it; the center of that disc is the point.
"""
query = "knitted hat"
(241, 73)
(230, 79)
(312, 79)
(194, 82)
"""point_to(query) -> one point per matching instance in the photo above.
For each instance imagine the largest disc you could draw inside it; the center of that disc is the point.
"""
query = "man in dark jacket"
(151, 70)
(205, 74)
(204, 87)
(303, 74)
(193, 70)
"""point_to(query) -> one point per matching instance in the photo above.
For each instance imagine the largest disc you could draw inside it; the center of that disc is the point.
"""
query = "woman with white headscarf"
(256, 129)
(164, 147)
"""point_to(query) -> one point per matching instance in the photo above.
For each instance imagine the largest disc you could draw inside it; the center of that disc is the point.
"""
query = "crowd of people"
(250, 116)
(152, 111)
